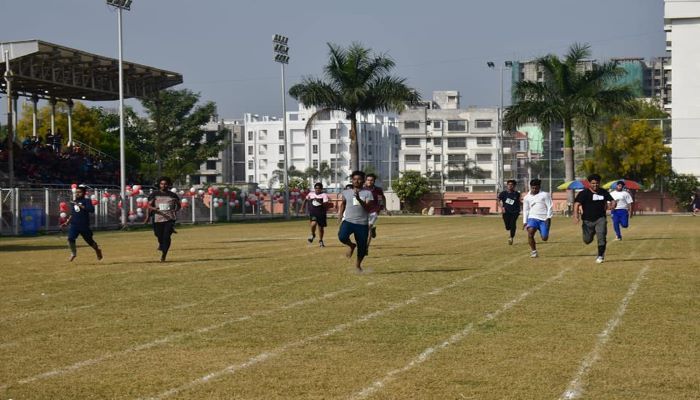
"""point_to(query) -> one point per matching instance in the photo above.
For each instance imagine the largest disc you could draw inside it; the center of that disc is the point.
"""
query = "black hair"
(358, 173)
(318, 184)
(620, 183)
(348, 186)
(371, 176)
(594, 177)
(535, 182)
(513, 181)
(166, 179)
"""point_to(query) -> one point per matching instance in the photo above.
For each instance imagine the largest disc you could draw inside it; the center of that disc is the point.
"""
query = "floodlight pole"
(281, 50)
(10, 127)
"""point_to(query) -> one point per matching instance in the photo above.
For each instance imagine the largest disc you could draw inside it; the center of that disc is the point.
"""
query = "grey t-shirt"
(354, 212)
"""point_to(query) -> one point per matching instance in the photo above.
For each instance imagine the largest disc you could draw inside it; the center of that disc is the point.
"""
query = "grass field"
(448, 311)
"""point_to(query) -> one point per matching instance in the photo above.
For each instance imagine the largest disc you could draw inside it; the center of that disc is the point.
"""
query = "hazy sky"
(223, 48)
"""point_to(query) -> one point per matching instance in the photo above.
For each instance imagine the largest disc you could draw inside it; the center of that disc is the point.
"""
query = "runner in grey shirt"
(354, 209)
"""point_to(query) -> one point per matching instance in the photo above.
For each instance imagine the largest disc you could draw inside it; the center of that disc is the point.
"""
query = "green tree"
(570, 96)
(682, 187)
(85, 122)
(173, 138)
(357, 81)
(632, 150)
(465, 170)
(410, 187)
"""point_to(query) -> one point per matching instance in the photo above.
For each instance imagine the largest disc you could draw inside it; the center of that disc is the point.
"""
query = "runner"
(510, 208)
(537, 214)
(696, 203)
(594, 202)
(623, 210)
(80, 223)
(164, 205)
(318, 205)
(354, 211)
(378, 195)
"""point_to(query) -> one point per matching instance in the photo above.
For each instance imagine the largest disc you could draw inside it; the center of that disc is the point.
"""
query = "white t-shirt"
(537, 206)
(623, 199)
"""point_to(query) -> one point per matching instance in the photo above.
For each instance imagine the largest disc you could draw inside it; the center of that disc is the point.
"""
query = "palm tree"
(569, 96)
(357, 82)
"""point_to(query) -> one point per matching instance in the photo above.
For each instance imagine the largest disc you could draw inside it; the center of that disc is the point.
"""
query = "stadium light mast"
(281, 51)
(121, 5)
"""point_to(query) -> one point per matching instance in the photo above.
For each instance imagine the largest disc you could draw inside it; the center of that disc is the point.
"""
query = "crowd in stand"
(51, 163)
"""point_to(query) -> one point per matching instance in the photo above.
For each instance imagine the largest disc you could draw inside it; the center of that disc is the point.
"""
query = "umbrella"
(578, 184)
(629, 184)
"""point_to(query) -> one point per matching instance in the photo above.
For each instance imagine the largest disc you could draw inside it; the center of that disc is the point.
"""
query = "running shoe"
(321, 244)
(311, 238)
(510, 240)
(599, 259)
(533, 254)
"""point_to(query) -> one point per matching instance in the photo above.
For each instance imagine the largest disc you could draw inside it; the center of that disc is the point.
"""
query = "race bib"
(597, 197)
(510, 201)
(164, 207)
(355, 202)
(76, 208)
(316, 203)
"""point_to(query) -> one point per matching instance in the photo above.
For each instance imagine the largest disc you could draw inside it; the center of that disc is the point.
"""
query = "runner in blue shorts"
(354, 211)
(537, 214)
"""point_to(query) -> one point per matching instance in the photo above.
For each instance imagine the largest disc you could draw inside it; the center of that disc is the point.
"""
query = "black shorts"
(319, 219)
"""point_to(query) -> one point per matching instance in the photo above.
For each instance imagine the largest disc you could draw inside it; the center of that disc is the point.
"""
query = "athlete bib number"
(510, 201)
(316, 203)
(597, 197)
(164, 207)
(355, 202)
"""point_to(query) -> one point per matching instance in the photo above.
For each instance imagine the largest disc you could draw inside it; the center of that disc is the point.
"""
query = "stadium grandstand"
(39, 70)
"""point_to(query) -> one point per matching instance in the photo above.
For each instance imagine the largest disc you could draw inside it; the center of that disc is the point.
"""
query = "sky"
(223, 48)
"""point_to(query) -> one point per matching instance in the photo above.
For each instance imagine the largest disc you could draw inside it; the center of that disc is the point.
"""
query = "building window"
(250, 150)
(314, 149)
(251, 178)
(483, 158)
(211, 178)
(457, 143)
(412, 158)
(456, 158)
(324, 115)
(281, 149)
(280, 135)
(262, 164)
(437, 141)
(211, 164)
(457, 125)
(334, 148)
(251, 164)
(262, 149)
(411, 125)
(262, 135)
(314, 134)
(263, 177)
(335, 163)
(437, 124)
(412, 141)
(280, 165)
(315, 163)
(209, 136)
(195, 179)
(334, 133)
(437, 157)
(294, 117)
(483, 141)
(483, 123)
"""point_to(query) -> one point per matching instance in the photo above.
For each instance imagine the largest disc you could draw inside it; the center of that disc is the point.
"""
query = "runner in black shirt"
(510, 208)
(595, 202)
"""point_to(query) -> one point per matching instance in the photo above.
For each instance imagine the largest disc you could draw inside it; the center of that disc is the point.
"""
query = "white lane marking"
(575, 388)
(231, 369)
(167, 339)
(457, 337)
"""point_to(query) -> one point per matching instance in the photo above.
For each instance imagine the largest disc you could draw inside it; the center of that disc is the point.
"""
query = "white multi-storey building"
(438, 136)
(326, 140)
(228, 165)
(682, 26)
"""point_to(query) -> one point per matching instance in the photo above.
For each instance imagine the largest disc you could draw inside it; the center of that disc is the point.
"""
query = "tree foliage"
(85, 123)
(632, 150)
(357, 81)
(682, 187)
(410, 187)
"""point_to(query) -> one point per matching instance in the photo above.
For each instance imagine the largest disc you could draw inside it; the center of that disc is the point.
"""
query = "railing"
(92, 151)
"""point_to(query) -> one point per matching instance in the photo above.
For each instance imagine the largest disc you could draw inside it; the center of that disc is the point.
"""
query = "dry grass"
(449, 311)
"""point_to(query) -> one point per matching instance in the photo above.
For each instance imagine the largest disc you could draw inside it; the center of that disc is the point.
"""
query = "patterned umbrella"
(629, 184)
(578, 184)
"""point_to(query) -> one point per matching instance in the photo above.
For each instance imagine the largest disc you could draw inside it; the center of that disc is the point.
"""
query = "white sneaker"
(510, 240)
(599, 259)
(618, 239)
(533, 254)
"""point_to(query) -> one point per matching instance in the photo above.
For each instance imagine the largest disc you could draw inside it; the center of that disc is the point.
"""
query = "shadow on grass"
(420, 271)
(649, 259)
(648, 238)
(185, 261)
(26, 247)
(258, 240)
(426, 254)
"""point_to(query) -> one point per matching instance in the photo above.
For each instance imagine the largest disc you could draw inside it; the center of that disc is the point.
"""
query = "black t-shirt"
(510, 201)
(594, 204)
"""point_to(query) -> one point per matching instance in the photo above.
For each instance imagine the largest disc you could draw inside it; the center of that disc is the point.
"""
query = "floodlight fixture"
(123, 4)
(491, 64)
(282, 59)
(280, 48)
(509, 64)
(280, 39)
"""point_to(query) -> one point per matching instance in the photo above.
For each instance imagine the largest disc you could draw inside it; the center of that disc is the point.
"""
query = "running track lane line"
(575, 388)
(262, 357)
(167, 339)
(457, 337)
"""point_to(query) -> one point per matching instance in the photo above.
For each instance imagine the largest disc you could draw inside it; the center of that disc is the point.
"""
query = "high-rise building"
(228, 165)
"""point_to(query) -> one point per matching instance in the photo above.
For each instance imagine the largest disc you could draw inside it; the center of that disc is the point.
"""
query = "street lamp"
(281, 51)
(121, 5)
(500, 173)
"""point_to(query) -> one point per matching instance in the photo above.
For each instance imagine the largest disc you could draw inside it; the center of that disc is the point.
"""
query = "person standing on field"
(537, 214)
(164, 205)
(510, 208)
(623, 209)
(591, 205)
(354, 211)
(318, 204)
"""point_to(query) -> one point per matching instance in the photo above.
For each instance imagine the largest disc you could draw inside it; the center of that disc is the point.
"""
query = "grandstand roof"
(50, 70)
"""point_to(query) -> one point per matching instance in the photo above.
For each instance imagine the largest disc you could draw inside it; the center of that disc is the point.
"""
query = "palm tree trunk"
(569, 158)
(354, 149)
